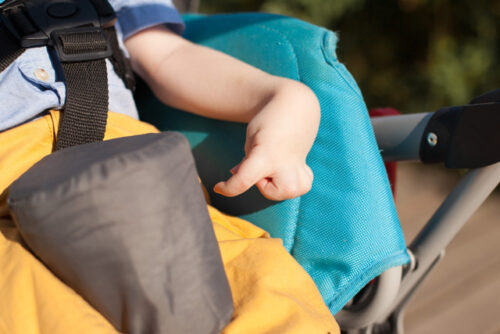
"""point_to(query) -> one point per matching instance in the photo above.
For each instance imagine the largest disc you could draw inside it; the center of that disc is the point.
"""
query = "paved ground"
(462, 294)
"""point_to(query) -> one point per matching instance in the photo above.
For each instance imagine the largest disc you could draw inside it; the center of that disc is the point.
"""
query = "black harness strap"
(86, 108)
(10, 48)
(121, 64)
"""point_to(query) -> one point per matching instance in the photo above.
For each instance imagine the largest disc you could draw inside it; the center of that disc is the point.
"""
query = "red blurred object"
(389, 166)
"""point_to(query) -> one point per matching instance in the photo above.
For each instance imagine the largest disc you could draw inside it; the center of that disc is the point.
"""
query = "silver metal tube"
(451, 216)
(455, 211)
(398, 137)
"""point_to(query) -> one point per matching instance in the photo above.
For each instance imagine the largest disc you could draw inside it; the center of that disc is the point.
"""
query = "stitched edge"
(326, 43)
(342, 297)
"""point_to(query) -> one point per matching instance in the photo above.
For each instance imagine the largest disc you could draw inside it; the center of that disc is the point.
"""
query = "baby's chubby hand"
(278, 140)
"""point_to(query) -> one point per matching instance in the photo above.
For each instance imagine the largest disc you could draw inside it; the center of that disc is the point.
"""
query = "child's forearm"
(283, 115)
(205, 81)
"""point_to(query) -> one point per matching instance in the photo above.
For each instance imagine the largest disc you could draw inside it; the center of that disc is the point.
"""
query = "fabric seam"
(336, 63)
(368, 273)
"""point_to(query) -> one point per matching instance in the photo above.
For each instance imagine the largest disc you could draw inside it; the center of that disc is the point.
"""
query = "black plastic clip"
(54, 22)
(81, 44)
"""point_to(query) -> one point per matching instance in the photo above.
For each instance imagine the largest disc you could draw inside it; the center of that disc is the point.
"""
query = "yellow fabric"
(271, 292)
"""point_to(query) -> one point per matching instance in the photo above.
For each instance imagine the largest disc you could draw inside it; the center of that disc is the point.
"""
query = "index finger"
(250, 171)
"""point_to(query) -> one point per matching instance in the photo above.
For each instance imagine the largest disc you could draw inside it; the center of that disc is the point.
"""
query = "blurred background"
(413, 55)
(418, 56)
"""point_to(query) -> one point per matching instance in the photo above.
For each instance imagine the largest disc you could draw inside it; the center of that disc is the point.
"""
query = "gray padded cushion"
(125, 224)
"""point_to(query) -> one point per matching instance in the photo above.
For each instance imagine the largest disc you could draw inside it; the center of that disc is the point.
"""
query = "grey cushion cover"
(124, 223)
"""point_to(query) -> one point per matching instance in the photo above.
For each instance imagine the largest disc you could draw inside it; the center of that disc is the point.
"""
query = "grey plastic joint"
(399, 137)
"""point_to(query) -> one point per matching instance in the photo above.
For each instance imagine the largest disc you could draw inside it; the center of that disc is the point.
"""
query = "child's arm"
(283, 115)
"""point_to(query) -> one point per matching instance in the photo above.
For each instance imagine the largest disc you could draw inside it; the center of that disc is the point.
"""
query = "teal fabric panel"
(345, 231)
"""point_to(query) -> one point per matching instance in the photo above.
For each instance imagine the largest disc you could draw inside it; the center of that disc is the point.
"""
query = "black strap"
(121, 64)
(85, 112)
(10, 49)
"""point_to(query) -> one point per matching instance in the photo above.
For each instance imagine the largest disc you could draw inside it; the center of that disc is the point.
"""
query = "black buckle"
(93, 44)
(43, 22)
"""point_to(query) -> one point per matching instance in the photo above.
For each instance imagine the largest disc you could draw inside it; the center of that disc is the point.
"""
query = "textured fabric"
(345, 231)
(271, 292)
(84, 122)
(20, 83)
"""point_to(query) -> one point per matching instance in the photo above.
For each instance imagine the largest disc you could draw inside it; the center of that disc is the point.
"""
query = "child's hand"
(278, 140)
(282, 115)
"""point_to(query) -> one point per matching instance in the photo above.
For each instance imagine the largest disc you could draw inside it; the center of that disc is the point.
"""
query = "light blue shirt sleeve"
(135, 15)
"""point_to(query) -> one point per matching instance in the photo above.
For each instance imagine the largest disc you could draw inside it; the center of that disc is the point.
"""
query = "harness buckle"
(62, 24)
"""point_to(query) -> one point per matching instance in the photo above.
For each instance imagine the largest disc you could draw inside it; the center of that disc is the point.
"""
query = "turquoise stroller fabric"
(345, 231)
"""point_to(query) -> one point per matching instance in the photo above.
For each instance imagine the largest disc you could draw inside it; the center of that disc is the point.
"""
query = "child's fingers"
(245, 175)
(235, 169)
(286, 185)
(277, 189)
(269, 190)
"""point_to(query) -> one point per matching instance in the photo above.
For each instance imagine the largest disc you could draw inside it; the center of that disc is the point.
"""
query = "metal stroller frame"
(379, 308)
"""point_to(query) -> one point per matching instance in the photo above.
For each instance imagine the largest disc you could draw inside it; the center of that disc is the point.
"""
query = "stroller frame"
(382, 309)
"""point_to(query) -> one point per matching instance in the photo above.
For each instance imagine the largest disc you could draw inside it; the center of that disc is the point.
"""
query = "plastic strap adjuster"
(81, 44)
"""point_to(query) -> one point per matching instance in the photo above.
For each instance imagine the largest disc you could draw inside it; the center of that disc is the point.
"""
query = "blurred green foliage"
(414, 55)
